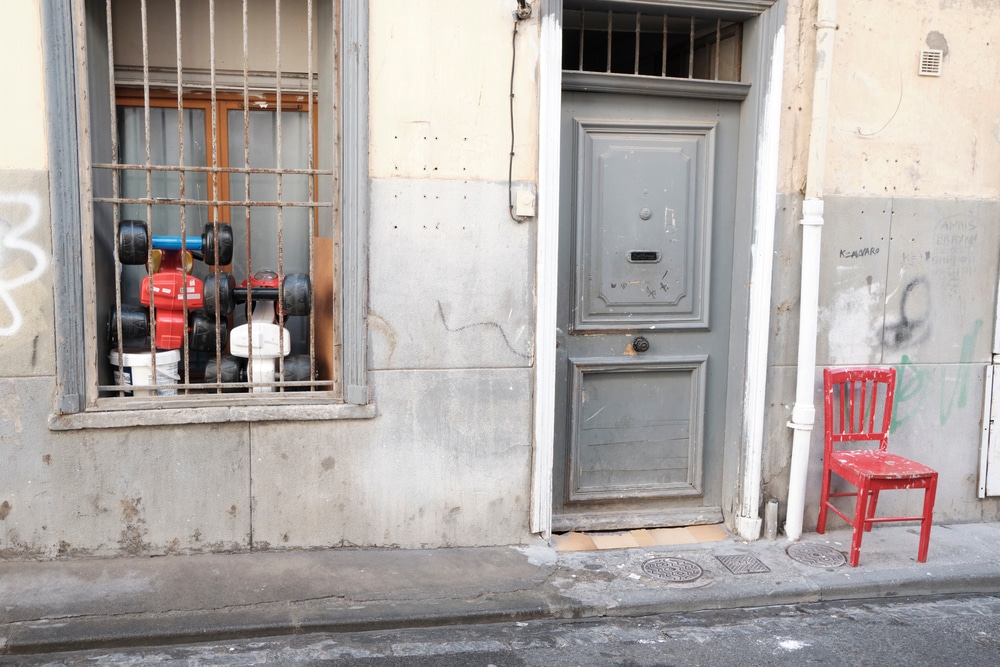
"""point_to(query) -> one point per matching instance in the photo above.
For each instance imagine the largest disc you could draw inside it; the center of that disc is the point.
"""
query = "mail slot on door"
(643, 256)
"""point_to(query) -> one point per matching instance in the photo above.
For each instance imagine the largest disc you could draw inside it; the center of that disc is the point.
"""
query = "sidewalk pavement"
(69, 605)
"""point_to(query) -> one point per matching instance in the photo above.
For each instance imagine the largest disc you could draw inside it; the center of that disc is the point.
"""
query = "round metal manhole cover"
(817, 555)
(676, 570)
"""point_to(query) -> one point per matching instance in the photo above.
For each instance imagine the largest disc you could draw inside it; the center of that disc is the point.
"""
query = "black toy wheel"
(296, 294)
(203, 332)
(226, 301)
(208, 244)
(133, 242)
(297, 369)
(229, 369)
(135, 326)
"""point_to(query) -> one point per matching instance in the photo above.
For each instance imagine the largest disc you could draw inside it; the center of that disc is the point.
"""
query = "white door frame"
(759, 120)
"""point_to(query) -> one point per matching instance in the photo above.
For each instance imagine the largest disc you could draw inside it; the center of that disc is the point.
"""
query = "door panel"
(644, 227)
(647, 215)
(638, 428)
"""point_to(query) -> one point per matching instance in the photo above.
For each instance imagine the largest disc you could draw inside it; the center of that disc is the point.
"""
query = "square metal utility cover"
(740, 564)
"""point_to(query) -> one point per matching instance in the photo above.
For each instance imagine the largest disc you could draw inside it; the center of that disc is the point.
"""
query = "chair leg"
(925, 524)
(860, 512)
(871, 511)
(824, 498)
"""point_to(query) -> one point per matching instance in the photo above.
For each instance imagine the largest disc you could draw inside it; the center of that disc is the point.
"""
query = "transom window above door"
(661, 42)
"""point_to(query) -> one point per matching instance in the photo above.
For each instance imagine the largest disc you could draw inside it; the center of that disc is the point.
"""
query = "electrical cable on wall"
(523, 12)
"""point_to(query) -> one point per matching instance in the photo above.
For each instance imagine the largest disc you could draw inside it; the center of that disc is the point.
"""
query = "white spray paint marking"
(891, 294)
(669, 220)
(792, 645)
(12, 240)
(848, 323)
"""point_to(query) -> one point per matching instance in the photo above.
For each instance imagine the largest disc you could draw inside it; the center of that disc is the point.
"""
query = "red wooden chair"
(858, 407)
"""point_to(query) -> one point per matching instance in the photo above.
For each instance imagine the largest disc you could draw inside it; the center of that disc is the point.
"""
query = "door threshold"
(632, 519)
(641, 537)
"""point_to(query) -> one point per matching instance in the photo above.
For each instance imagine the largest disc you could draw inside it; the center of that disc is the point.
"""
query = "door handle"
(640, 344)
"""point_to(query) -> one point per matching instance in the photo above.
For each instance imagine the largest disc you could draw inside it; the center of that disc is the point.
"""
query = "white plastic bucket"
(138, 370)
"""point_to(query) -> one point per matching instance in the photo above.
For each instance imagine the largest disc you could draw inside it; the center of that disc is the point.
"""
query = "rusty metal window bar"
(219, 218)
(662, 45)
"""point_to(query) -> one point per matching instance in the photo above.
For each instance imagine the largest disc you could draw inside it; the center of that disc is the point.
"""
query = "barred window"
(215, 235)
(656, 41)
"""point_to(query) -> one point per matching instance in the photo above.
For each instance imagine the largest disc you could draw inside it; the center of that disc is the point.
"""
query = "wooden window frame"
(128, 96)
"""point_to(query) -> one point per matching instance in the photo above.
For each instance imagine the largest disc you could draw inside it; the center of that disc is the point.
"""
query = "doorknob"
(640, 344)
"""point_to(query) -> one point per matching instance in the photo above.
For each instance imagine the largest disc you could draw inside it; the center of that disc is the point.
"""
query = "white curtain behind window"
(163, 150)
(263, 151)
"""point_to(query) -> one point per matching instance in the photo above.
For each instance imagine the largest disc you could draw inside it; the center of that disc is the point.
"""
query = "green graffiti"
(912, 384)
(961, 385)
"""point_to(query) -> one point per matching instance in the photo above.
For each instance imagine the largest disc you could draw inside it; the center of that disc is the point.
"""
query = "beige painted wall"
(25, 255)
(22, 116)
(440, 87)
(893, 132)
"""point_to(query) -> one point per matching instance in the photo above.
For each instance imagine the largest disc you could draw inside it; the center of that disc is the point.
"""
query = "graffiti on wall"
(911, 324)
(19, 214)
(914, 385)
(953, 259)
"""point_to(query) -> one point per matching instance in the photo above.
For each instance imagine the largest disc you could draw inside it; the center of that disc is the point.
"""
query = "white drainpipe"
(804, 412)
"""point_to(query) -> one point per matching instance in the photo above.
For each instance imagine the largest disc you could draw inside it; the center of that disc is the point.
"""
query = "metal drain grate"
(741, 564)
(676, 570)
(816, 555)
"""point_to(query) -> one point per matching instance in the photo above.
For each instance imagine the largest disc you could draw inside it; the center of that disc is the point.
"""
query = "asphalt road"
(962, 630)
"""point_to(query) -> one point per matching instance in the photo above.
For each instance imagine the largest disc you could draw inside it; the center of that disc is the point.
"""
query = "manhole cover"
(740, 564)
(677, 570)
(817, 555)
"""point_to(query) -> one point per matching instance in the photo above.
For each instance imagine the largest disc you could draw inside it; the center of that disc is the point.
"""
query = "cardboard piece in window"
(325, 308)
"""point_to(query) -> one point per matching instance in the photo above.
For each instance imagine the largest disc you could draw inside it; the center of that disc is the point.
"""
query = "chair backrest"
(857, 405)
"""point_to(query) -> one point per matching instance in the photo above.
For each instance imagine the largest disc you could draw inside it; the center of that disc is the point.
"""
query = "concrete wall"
(912, 235)
(899, 287)
(446, 461)
(910, 270)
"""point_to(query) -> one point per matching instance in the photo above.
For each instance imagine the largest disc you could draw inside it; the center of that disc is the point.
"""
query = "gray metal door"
(648, 190)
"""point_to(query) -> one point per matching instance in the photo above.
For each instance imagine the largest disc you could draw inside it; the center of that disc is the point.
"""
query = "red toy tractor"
(168, 285)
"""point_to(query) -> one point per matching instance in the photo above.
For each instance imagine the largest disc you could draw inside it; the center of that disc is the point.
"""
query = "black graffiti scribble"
(911, 325)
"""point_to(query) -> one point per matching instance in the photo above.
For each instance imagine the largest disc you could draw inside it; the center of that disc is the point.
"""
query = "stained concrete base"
(68, 605)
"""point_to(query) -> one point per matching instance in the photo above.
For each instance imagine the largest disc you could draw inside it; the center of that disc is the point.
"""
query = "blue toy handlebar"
(215, 245)
(174, 242)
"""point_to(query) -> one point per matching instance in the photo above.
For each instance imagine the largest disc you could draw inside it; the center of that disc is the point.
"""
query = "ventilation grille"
(930, 62)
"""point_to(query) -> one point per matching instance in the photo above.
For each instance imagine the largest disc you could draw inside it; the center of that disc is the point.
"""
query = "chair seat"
(877, 464)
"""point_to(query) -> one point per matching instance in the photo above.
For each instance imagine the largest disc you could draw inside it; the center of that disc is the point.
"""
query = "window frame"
(76, 404)
(131, 96)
